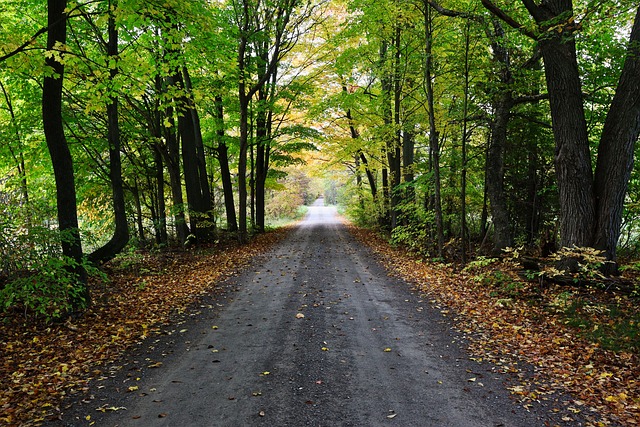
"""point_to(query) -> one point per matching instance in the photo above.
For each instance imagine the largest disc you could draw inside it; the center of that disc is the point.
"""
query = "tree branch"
(506, 18)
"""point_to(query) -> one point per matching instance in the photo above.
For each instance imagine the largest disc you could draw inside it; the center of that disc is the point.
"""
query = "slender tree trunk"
(502, 236)
(120, 236)
(199, 145)
(172, 160)
(434, 146)
(502, 104)
(223, 159)
(244, 99)
(360, 154)
(463, 176)
(136, 200)
(260, 163)
(59, 150)
(160, 222)
(191, 168)
(19, 158)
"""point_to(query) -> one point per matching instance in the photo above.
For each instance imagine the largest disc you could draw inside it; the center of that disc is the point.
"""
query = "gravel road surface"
(314, 333)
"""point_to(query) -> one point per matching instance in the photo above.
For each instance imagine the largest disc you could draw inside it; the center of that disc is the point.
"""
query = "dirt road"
(314, 333)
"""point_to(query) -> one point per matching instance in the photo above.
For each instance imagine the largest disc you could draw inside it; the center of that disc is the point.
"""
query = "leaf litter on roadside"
(41, 365)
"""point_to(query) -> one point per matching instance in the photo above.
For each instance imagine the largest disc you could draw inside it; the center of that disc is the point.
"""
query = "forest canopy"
(460, 128)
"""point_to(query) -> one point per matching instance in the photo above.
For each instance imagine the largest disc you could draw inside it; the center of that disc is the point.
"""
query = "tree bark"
(225, 173)
(590, 206)
(120, 236)
(434, 146)
(160, 222)
(616, 150)
(502, 104)
(261, 166)
(195, 193)
(172, 160)
(572, 158)
(59, 150)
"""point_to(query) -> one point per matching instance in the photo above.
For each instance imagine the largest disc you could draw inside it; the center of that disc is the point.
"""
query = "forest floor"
(548, 344)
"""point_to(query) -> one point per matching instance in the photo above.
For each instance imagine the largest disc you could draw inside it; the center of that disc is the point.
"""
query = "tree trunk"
(160, 223)
(616, 150)
(172, 160)
(590, 208)
(138, 204)
(19, 159)
(502, 236)
(199, 144)
(195, 198)
(464, 233)
(225, 173)
(572, 159)
(120, 236)
(434, 146)
(59, 149)
(502, 104)
(260, 164)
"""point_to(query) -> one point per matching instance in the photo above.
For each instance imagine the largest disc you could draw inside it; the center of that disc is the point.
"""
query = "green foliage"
(585, 264)
(50, 291)
(607, 324)
(480, 263)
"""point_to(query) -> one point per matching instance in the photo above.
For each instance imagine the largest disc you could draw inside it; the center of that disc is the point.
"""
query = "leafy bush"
(50, 291)
(39, 280)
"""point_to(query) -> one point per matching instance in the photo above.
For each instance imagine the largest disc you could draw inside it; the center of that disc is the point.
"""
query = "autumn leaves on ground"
(508, 320)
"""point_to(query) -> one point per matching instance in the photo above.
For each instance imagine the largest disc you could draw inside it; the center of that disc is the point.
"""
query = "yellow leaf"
(387, 350)
(133, 388)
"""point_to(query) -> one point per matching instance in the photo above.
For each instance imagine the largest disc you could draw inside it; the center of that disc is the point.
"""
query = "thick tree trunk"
(120, 236)
(59, 150)
(572, 159)
(590, 207)
(616, 150)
